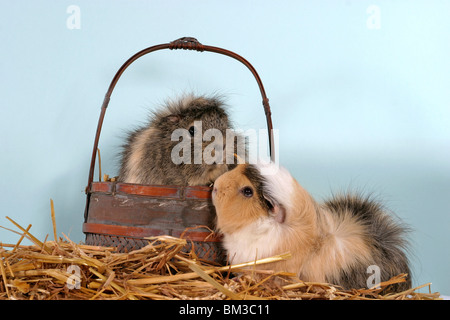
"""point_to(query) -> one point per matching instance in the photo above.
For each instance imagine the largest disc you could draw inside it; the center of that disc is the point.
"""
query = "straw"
(53, 219)
(160, 270)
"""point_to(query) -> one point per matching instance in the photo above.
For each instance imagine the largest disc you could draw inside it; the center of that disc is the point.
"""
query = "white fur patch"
(278, 183)
(256, 241)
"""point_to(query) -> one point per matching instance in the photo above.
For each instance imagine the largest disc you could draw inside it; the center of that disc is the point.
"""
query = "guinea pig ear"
(173, 118)
(276, 210)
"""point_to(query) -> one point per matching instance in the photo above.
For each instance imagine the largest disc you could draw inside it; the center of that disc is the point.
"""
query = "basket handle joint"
(186, 43)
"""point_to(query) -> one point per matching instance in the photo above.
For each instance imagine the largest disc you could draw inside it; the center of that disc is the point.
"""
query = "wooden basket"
(123, 215)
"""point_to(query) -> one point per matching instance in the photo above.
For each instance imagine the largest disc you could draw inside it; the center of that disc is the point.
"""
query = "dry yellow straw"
(32, 238)
(53, 220)
(161, 270)
(3, 273)
(21, 238)
(193, 275)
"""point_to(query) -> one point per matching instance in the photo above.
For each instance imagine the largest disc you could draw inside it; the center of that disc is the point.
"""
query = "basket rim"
(160, 191)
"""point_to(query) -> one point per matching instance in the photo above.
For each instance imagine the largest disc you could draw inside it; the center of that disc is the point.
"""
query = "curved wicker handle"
(186, 43)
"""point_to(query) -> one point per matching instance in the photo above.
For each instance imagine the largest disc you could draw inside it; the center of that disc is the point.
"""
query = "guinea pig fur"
(146, 156)
(261, 215)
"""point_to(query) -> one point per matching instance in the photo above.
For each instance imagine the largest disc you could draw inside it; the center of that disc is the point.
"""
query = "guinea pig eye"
(192, 131)
(247, 192)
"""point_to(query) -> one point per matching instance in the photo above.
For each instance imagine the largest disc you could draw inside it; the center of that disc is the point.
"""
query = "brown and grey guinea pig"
(147, 154)
(262, 214)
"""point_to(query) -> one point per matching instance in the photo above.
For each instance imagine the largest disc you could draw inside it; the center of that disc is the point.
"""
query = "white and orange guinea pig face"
(251, 193)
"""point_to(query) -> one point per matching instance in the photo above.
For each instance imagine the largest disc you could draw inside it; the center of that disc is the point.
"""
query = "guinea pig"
(148, 154)
(262, 214)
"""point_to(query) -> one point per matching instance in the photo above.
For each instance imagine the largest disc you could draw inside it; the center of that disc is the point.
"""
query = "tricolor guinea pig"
(262, 213)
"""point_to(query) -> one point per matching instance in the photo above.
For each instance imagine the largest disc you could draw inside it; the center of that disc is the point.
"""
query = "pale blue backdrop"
(359, 91)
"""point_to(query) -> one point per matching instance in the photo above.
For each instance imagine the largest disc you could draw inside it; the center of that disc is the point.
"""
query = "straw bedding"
(61, 269)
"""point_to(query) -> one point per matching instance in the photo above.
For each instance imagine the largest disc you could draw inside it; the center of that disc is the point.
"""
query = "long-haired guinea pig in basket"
(147, 155)
(262, 214)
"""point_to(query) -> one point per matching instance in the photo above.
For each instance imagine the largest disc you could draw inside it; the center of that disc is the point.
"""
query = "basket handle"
(186, 43)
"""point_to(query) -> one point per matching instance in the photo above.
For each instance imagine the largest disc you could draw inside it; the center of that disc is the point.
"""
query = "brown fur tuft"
(146, 156)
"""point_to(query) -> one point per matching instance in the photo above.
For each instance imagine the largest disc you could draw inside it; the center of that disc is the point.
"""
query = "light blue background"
(357, 108)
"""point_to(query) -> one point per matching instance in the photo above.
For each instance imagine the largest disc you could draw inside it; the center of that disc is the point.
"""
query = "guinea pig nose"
(215, 189)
